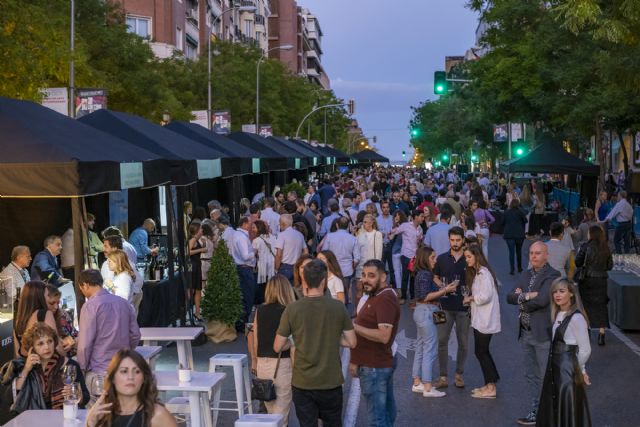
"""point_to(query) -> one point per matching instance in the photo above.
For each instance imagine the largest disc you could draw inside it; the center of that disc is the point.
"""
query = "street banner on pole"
(249, 128)
(56, 98)
(200, 118)
(516, 132)
(500, 133)
(266, 131)
(222, 122)
(90, 100)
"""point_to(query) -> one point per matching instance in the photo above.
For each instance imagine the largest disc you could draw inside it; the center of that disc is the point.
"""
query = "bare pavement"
(614, 396)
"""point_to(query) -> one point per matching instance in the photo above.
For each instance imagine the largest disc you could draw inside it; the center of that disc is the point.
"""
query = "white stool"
(260, 420)
(178, 406)
(241, 379)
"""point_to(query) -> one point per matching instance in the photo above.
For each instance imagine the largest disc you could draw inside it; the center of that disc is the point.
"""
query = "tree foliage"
(34, 47)
(222, 300)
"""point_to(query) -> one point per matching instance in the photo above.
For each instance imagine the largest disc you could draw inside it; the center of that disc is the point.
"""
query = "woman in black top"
(278, 295)
(195, 249)
(595, 257)
(130, 397)
(513, 221)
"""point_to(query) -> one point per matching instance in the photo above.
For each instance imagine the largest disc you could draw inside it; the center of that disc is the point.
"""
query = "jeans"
(312, 405)
(407, 278)
(248, 288)
(622, 234)
(377, 388)
(397, 269)
(488, 366)
(387, 261)
(287, 271)
(515, 251)
(485, 234)
(426, 342)
(346, 282)
(462, 321)
(536, 354)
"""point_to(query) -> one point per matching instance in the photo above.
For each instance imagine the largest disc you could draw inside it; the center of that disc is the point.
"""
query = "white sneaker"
(417, 388)
(433, 393)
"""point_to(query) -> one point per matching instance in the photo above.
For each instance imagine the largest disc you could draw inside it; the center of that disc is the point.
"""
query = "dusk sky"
(384, 57)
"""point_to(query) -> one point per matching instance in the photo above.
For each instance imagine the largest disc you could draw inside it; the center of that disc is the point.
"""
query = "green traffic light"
(439, 89)
(519, 151)
(445, 157)
(415, 132)
(474, 158)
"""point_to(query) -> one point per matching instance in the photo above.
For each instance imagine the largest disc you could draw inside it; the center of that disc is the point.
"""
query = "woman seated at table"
(39, 378)
(124, 276)
(130, 397)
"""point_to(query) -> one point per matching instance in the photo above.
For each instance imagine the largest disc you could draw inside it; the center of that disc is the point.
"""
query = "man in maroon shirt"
(372, 360)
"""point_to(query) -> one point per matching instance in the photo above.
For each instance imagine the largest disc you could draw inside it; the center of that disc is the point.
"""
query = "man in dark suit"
(45, 263)
(531, 295)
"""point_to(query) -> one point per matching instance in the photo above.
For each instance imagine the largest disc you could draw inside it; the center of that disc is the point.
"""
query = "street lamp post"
(262, 57)
(213, 23)
(72, 65)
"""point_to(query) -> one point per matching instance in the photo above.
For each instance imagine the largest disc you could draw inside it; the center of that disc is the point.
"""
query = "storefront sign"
(208, 169)
(315, 161)
(131, 175)
(255, 165)
(297, 163)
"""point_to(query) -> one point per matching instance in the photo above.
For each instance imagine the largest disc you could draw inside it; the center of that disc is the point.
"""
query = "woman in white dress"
(124, 276)
(370, 242)
(264, 245)
(209, 242)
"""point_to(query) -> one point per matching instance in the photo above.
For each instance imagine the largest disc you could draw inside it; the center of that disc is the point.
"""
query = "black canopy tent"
(189, 160)
(338, 155)
(369, 156)
(241, 157)
(550, 157)
(313, 158)
(272, 159)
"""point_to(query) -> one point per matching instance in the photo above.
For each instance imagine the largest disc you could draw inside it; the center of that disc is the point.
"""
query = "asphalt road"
(614, 370)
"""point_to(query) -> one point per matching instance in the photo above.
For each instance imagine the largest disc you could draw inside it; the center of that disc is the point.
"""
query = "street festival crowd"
(323, 279)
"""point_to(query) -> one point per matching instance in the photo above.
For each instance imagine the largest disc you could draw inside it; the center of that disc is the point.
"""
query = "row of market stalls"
(123, 169)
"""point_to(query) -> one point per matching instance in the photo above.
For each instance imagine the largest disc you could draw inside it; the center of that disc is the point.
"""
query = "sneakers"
(459, 382)
(529, 420)
(433, 393)
(417, 388)
(441, 383)
(402, 301)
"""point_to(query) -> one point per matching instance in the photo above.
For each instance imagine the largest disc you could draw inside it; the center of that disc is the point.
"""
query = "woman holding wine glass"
(44, 379)
(485, 315)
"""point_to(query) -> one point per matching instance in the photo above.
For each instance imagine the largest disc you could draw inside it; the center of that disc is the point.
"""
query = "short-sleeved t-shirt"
(380, 309)
(316, 325)
(447, 267)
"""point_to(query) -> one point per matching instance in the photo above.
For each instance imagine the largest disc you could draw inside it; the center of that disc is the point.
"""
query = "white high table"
(36, 418)
(149, 353)
(198, 389)
(182, 337)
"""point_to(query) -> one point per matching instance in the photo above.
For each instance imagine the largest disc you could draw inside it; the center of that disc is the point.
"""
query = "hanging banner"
(56, 98)
(222, 122)
(200, 118)
(516, 132)
(131, 175)
(249, 128)
(500, 133)
(90, 100)
(266, 131)
(119, 210)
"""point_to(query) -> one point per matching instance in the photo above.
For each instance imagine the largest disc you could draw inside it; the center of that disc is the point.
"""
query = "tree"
(222, 300)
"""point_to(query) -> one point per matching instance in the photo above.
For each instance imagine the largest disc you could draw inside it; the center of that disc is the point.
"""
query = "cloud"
(339, 83)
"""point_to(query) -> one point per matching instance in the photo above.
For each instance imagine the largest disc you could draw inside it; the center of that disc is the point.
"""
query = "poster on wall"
(119, 210)
(57, 99)
(90, 100)
(516, 132)
(249, 128)
(266, 131)
(199, 118)
(222, 122)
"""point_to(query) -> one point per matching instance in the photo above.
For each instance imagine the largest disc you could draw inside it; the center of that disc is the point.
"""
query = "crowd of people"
(324, 276)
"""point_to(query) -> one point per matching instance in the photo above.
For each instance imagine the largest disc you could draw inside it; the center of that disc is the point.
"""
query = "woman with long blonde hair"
(563, 400)
(124, 276)
(278, 294)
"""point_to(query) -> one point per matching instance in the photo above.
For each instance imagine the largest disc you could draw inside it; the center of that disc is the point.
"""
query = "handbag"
(439, 317)
(412, 264)
(265, 389)
(581, 272)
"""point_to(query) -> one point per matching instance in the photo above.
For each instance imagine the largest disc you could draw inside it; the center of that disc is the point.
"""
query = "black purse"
(439, 317)
(265, 389)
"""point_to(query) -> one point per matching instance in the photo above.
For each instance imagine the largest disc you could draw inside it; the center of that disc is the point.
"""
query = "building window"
(192, 51)
(179, 39)
(248, 28)
(139, 25)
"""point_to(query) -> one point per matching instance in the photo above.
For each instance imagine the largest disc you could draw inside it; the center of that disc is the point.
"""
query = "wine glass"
(456, 280)
(97, 386)
(69, 372)
(465, 291)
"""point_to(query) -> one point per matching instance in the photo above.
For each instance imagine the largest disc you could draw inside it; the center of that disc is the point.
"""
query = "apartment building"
(313, 50)
(183, 26)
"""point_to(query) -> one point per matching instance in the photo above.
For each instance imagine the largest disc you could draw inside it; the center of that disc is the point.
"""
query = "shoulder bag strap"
(277, 365)
(268, 246)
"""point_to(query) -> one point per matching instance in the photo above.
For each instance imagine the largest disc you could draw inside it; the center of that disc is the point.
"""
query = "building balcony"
(215, 8)
(192, 30)
(312, 54)
(192, 15)
(259, 19)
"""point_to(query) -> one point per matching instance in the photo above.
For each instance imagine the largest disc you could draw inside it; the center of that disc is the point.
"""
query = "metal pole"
(258, 95)
(509, 138)
(209, 77)
(325, 127)
(72, 66)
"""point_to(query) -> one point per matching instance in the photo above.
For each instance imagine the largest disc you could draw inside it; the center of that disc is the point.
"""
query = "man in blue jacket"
(45, 264)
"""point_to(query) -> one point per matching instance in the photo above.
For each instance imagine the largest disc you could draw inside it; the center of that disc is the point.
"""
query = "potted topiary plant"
(294, 186)
(222, 300)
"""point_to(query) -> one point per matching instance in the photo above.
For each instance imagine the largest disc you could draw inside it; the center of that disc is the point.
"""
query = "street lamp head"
(286, 47)
(247, 9)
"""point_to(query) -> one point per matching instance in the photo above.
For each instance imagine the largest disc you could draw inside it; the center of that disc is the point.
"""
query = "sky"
(384, 56)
